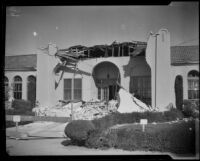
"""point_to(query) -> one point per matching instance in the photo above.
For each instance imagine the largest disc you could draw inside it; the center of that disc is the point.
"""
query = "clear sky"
(28, 28)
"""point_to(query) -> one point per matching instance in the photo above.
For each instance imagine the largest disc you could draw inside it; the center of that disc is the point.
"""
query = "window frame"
(141, 84)
(193, 85)
(17, 88)
(77, 90)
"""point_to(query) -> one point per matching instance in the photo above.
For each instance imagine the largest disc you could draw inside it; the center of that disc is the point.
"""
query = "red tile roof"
(184, 54)
(21, 62)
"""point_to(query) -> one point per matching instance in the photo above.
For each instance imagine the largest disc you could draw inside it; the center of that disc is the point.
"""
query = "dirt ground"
(47, 147)
(55, 147)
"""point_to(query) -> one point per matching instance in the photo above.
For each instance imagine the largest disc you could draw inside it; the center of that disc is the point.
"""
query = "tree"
(179, 92)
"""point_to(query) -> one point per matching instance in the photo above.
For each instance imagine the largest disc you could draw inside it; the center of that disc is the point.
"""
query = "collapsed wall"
(128, 103)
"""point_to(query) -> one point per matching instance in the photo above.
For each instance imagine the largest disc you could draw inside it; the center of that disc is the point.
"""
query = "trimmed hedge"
(78, 130)
(122, 118)
(176, 138)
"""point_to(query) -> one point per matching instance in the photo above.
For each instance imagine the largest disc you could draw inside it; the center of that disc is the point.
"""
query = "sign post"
(143, 122)
(16, 119)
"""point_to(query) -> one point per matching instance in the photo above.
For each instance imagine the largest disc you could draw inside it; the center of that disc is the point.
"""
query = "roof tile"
(184, 54)
(21, 62)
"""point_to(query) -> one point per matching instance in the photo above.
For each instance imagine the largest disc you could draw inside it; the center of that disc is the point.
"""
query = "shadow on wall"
(140, 78)
(137, 66)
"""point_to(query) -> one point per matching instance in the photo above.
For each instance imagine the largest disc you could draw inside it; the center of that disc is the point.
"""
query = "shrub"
(21, 105)
(8, 105)
(177, 138)
(96, 139)
(123, 118)
(79, 130)
(173, 114)
(191, 108)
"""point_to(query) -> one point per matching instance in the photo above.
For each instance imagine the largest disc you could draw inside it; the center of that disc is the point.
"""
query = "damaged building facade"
(146, 69)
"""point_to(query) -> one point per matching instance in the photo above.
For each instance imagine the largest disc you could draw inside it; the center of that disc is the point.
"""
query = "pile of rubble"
(94, 109)
(82, 110)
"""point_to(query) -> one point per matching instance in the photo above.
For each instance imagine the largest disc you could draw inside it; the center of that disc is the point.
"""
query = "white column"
(24, 87)
(112, 51)
(185, 86)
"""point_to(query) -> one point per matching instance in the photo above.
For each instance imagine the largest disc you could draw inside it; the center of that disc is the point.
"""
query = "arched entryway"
(106, 75)
(31, 89)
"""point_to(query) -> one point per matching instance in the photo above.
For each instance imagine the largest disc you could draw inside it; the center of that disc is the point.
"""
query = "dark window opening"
(193, 85)
(140, 86)
(17, 87)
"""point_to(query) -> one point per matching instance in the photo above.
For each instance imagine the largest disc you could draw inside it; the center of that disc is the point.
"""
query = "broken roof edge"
(106, 45)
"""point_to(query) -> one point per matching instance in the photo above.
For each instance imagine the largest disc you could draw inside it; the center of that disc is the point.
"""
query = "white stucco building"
(148, 70)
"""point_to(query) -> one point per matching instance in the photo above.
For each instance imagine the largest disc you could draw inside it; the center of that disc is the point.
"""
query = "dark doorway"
(113, 90)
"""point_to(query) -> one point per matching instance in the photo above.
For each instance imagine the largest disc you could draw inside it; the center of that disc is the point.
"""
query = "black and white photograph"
(103, 80)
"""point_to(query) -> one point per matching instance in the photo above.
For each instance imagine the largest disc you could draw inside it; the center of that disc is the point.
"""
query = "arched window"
(6, 88)
(193, 85)
(6, 81)
(17, 87)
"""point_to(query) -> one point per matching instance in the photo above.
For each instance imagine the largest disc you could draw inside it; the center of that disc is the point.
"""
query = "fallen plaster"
(128, 103)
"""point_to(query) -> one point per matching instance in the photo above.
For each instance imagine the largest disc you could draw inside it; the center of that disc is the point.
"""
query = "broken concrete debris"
(82, 110)
(94, 109)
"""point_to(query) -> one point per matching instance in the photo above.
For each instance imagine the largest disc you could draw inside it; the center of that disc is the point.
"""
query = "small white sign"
(143, 121)
(16, 118)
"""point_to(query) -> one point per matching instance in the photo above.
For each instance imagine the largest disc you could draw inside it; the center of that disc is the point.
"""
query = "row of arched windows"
(17, 85)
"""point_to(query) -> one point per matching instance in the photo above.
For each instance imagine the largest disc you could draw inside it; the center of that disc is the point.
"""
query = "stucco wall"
(45, 78)
(158, 57)
(24, 75)
(47, 95)
(89, 89)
